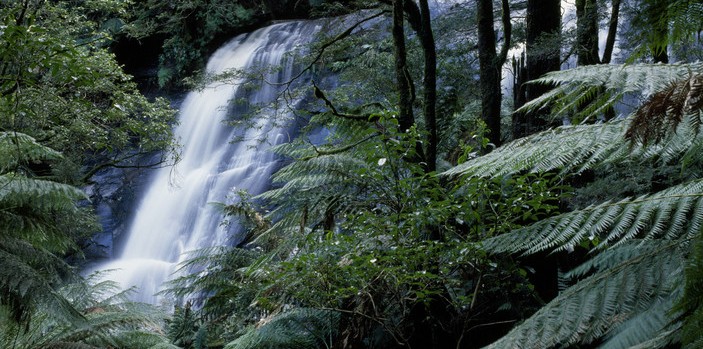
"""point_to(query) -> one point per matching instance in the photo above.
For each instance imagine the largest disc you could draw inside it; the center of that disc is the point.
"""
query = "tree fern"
(297, 328)
(574, 149)
(18, 148)
(691, 304)
(325, 180)
(652, 326)
(568, 149)
(575, 87)
(622, 295)
(671, 214)
(610, 304)
(105, 319)
(685, 17)
(28, 278)
(214, 280)
(38, 219)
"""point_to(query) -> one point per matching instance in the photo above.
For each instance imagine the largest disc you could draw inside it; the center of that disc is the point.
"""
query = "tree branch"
(338, 150)
(359, 117)
(117, 164)
(327, 44)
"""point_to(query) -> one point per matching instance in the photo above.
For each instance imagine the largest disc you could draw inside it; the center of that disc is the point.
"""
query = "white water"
(174, 219)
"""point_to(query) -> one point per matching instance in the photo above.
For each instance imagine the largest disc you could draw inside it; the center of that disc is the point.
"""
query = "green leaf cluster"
(62, 87)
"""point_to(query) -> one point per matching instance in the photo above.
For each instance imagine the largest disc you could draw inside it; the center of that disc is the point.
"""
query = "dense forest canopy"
(471, 191)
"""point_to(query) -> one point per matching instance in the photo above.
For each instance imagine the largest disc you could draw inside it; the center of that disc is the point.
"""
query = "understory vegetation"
(573, 220)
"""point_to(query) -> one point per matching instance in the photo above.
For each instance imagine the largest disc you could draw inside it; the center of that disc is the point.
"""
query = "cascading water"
(173, 219)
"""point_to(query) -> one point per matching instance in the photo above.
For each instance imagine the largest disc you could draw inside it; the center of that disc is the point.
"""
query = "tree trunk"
(406, 93)
(489, 70)
(587, 32)
(429, 86)
(542, 56)
(612, 31)
(587, 41)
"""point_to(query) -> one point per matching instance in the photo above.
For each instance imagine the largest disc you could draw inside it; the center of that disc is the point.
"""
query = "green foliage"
(583, 93)
(223, 289)
(671, 214)
(38, 219)
(625, 304)
(104, 319)
(574, 149)
(622, 296)
(66, 111)
(359, 232)
(191, 28)
(662, 25)
(63, 88)
(691, 303)
(567, 149)
(299, 328)
(183, 328)
(362, 246)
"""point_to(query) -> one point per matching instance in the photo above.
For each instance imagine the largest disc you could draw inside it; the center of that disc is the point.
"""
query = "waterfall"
(172, 219)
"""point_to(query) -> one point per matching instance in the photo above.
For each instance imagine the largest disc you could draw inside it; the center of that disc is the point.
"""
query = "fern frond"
(212, 274)
(651, 326)
(28, 278)
(664, 110)
(612, 257)
(18, 148)
(685, 16)
(664, 339)
(141, 339)
(575, 86)
(102, 321)
(107, 322)
(596, 306)
(566, 148)
(674, 213)
(17, 190)
(671, 116)
(297, 328)
(691, 304)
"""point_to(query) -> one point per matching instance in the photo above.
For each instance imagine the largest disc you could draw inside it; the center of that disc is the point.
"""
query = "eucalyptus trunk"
(406, 91)
(542, 56)
(489, 70)
(587, 32)
(429, 85)
(612, 31)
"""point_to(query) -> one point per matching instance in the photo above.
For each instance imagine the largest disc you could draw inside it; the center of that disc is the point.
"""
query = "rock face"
(113, 196)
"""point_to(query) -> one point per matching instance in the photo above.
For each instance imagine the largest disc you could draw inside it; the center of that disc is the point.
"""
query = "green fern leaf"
(567, 149)
(645, 327)
(601, 305)
(297, 328)
(28, 277)
(674, 213)
(18, 148)
(575, 86)
(17, 190)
